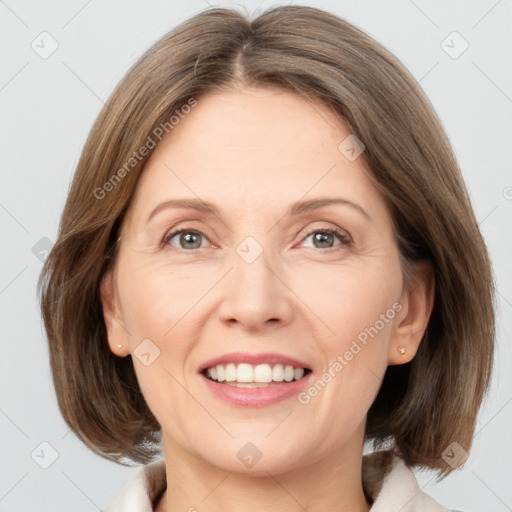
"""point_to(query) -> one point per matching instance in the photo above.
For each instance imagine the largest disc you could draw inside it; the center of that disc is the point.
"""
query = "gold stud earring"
(402, 351)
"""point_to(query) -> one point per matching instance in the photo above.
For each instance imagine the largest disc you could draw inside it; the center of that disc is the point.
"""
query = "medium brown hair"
(422, 406)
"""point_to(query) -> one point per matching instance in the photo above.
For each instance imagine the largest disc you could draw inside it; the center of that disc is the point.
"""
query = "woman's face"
(257, 282)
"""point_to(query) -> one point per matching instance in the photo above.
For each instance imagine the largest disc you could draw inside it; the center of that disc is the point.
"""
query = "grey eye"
(186, 239)
(324, 238)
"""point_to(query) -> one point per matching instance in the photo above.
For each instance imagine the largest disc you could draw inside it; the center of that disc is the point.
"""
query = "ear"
(116, 332)
(417, 303)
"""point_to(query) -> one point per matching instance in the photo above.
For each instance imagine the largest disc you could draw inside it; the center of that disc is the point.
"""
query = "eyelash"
(344, 238)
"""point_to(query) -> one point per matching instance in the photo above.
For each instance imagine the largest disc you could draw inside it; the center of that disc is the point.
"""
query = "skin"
(253, 152)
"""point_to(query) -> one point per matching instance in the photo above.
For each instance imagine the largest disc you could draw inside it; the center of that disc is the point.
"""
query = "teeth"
(221, 373)
(230, 373)
(299, 373)
(278, 373)
(289, 373)
(262, 373)
(246, 373)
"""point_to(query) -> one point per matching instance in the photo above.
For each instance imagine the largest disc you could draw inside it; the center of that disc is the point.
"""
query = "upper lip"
(254, 359)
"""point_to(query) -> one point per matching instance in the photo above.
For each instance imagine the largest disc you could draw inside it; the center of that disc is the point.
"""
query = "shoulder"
(143, 490)
(393, 486)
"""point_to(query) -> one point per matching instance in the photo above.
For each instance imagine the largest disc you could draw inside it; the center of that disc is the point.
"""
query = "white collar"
(386, 479)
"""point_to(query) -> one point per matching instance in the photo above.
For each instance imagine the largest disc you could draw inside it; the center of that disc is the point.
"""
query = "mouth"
(245, 375)
(254, 380)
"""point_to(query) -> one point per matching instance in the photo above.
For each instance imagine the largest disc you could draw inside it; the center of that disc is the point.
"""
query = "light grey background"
(47, 108)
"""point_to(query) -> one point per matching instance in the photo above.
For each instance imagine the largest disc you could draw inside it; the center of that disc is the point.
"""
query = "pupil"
(322, 238)
(190, 238)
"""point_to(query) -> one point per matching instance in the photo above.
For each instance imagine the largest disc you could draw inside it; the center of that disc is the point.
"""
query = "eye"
(324, 238)
(187, 239)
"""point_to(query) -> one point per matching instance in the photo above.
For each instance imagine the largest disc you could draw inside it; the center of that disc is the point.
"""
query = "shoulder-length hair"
(423, 406)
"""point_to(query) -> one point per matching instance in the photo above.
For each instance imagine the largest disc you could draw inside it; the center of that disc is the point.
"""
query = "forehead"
(258, 122)
(259, 146)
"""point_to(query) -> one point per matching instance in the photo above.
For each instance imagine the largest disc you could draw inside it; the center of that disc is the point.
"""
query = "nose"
(254, 295)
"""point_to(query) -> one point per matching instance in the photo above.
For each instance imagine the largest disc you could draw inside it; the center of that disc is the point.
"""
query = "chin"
(254, 454)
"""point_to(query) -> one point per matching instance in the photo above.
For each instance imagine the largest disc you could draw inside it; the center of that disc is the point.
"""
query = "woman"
(268, 219)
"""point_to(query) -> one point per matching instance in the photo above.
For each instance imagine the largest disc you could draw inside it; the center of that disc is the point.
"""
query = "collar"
(387, 481)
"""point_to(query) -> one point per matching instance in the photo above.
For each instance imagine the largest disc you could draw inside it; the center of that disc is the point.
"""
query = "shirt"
(387, 481)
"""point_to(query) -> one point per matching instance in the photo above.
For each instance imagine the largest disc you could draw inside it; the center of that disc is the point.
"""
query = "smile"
(254, 380)
(247, 375)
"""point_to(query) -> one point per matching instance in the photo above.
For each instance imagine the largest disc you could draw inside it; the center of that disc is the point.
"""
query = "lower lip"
(256, 397)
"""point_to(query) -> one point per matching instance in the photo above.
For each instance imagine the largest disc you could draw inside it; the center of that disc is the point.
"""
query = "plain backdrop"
(60, 61)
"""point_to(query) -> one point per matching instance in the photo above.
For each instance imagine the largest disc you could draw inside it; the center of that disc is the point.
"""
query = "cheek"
(155, 306)
(155, 299)
(348, 300)
(357, 311)
(161, 305)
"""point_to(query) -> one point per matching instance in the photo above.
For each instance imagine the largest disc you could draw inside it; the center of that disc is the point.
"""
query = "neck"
(332, 483)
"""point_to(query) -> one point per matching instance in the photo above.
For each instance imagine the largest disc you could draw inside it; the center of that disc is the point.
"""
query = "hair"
(422, 406)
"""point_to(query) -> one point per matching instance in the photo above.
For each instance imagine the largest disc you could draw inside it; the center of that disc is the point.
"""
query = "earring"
(402, 351)
(119, 346)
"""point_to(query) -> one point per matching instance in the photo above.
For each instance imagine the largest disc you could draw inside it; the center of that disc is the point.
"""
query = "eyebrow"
(296, 208)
